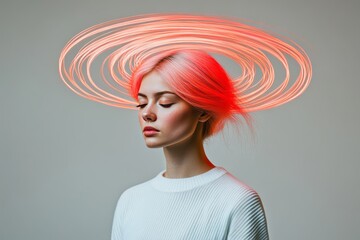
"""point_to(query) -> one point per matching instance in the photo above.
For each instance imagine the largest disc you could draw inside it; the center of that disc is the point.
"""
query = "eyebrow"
(156, 94)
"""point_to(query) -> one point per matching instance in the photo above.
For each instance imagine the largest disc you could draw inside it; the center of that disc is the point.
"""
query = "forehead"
(153, 83)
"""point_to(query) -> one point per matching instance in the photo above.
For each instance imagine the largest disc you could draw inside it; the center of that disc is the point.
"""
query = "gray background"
(66, 160)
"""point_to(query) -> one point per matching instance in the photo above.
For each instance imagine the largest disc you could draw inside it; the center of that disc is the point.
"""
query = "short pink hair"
(198, 79)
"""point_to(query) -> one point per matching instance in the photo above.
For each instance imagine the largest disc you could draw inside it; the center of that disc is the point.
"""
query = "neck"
(186, 159)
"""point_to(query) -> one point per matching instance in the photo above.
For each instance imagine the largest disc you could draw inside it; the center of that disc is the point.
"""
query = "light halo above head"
(127, 42)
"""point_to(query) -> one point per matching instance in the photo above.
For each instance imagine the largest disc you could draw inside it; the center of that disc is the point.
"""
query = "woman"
(185, 97)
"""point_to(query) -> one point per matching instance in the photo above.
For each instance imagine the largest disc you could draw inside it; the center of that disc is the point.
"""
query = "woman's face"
(174, 119)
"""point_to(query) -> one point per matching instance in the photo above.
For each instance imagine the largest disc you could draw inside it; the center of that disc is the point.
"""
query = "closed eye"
(141, 105)
(166, 105)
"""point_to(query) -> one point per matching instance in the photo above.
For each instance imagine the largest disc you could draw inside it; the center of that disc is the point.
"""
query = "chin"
(150, 144)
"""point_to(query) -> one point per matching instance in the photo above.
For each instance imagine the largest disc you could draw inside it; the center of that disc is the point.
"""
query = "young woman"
(185, 97)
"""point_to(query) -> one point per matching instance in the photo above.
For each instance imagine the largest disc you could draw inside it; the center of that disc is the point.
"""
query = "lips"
(151, 129)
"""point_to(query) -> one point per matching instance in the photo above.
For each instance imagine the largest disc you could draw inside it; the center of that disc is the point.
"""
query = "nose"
(149, 116)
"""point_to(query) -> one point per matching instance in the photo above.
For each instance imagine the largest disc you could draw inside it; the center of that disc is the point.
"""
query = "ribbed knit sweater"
(211, 205)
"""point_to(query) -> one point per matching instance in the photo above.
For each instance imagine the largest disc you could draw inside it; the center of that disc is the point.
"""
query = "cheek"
(180, 120)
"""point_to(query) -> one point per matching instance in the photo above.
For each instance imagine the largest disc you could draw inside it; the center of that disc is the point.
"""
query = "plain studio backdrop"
(65, 160)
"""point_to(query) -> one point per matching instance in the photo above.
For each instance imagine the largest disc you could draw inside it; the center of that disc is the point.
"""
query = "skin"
(179, 126)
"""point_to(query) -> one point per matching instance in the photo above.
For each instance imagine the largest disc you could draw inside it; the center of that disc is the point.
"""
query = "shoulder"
(246, 201)
(134, 190)
(247, 216)
(236, 195)
(128, 197)
(242, 192)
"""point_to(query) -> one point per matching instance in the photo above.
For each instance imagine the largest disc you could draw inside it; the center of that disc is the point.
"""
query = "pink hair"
(200, 80)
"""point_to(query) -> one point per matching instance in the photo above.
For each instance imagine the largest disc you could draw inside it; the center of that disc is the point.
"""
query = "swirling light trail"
(134, 39)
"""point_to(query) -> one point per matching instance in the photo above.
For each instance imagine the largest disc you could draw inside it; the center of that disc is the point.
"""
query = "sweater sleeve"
(248, 221)
(116, 233)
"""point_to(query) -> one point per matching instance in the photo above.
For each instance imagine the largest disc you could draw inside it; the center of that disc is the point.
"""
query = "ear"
(204, 117)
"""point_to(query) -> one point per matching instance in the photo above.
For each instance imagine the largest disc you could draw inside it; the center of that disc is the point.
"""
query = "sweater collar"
(164, 184)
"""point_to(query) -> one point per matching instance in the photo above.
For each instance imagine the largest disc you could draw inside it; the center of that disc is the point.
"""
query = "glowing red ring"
(133, 39)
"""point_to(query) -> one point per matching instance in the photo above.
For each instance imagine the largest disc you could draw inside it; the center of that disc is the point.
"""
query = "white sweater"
(212, 205)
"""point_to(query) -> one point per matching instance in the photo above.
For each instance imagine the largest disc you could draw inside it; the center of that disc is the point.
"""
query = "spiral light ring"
(132, 40)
